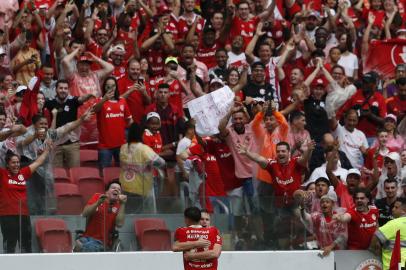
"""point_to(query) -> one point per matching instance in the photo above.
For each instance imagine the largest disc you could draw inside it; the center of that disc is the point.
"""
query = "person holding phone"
(26, 62)
(135, 90)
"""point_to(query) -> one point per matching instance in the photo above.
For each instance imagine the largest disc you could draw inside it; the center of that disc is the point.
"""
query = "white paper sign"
(209, 109)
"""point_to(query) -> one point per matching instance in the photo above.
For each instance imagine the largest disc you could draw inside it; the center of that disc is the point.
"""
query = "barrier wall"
(258, 260)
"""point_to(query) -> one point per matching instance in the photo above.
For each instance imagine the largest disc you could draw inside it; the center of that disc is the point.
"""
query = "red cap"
(319, 81)
(163, 9)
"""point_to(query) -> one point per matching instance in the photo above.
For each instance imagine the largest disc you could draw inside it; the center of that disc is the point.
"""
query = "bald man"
(326, 144)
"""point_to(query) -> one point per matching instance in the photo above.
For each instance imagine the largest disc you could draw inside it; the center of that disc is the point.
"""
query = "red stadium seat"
(69, 200)
(88, 158)
(88, 181)
(61, 176)
(110, 174)
(83, 172)
(152, 234)
(89, 186)
(53, 235)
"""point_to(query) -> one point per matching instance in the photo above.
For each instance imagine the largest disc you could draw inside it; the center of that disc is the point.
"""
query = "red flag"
(384, 55)
(395, 259)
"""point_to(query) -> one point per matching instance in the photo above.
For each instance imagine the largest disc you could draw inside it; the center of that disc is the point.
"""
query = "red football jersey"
(156, 59)
(184, 25)
(193, 233)
(214, 183)
(375, 102)
(225, 161)
(128, 42)
(396, 106)
(175, 92)
(13, 190)
(104, 219)
(153, 140)
(207, 55)
(287, 179)
(135, 100)
(244, 28)
(361, 228)
(111, 123)
(119, 71)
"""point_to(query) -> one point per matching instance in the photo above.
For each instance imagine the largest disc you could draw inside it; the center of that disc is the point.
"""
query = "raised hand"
(259, 31)
(371, 18)
(242, 149)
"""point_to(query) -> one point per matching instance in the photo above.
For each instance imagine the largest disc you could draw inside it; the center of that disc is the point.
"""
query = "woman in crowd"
(113, 116)
(14, 217)
(339, 90)
(137, 161)
(395, 141)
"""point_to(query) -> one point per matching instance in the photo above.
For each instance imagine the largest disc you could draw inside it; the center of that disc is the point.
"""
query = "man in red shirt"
(362, 221)
(346, 192)
(188, 17)
(287, 174)
(397, 104)
(116, 54)
(369, 104)
(201, 246)
(103, 212)
(244, 24)
(214, 184)
(135, 89)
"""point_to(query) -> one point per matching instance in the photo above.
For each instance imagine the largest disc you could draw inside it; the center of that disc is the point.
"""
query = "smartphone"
(140, 80)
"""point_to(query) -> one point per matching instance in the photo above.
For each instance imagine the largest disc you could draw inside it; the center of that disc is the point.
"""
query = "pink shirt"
(244, 167)
(397, 144)
(293, 138)
(80, 86)
(201, 72)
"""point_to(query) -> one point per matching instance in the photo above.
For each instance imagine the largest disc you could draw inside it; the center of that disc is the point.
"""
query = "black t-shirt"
(265, 91)
(316, 118)
(67, 111)
(385, 211)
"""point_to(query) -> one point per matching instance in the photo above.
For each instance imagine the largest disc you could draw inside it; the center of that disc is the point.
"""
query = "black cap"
(208, 28)
(370, 77)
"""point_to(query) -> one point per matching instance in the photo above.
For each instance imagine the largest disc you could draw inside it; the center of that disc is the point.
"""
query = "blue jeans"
(106, 157)
(90, 244)
(249, 193)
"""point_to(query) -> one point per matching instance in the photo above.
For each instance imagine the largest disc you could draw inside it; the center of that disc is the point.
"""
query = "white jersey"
(350, 142)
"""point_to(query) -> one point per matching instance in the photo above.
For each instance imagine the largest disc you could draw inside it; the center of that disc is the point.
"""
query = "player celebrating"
(201, 246)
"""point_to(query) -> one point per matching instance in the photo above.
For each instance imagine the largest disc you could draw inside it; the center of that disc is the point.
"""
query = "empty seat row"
(152, 234)
(74, 175)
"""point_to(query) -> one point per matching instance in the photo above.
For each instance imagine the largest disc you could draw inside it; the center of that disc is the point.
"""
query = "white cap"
(393, 156)
(118, 48)
(354, 171)
(21, 88)
(216, 80)
(153, 114)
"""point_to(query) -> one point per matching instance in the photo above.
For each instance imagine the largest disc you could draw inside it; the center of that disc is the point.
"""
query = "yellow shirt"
(136, 168)
(387, 235)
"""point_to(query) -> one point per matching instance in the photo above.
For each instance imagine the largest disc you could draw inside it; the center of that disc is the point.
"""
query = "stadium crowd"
(316, 135)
